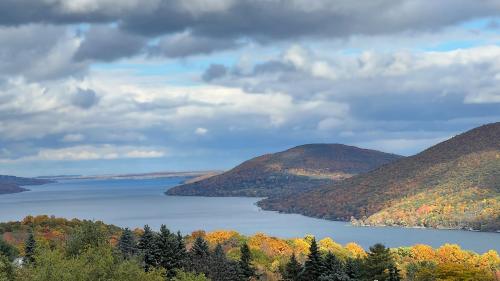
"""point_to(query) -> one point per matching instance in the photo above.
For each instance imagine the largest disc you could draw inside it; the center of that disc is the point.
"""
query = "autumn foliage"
(271, 254)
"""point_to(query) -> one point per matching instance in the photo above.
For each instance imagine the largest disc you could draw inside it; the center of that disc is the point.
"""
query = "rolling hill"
(454, 184)
(297, 169)
(12, 184)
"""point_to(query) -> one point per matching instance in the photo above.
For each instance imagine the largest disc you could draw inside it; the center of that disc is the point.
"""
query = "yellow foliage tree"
(220, 236)
(355, 250)
(422, 252)
(271, 246)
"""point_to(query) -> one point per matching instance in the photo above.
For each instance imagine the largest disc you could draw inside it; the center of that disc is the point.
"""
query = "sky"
(132, 86)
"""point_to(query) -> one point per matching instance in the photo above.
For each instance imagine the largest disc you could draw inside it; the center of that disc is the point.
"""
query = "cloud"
(214, 71)
(106, 43)
(201, 131)
(261, 20)
(84, 98)
(87, 152)
(185, 44)
(38, 52)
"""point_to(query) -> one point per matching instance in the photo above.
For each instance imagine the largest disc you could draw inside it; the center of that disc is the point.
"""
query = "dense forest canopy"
(47, 248)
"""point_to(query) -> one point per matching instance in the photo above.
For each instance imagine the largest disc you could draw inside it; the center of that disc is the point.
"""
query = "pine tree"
(199, 256)
(333, 269)
(30, 248)
(247, 270)
(168, 246)
(148, 247)
(313, 266)
(222, 269)
(181, 253)
(379, 263)
(292, 269)
(127, 244)
(353, 269)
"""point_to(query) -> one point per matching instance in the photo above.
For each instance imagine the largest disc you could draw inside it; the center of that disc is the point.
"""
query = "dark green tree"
(170, 252)
(292, 270)
(127, 244)
(30, 248)
(333, 269)
(379, 263)
(247, 270)
(8, 250)
(353, 269)
(199, 256)
(313, 267)
(222, 269)
(181, 252)
(148, 248)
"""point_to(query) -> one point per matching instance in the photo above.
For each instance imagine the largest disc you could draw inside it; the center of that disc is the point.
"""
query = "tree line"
(89, 251)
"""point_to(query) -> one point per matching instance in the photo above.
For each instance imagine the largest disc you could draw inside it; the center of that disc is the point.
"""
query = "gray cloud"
(214, 71)
(262, 20)
(107, 43)
(16, 12)
(84, 98)
(385, 92)
(199, 27)
(38, 52)
(184, 44)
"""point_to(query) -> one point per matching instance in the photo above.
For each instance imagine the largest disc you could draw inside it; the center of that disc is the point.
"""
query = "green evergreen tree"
(181, 252)
(247, 270)
(353, 269)
(30, 248)
(199, 256)
(378, 264)
(313, 267)
(333, 269)
(127, 244)
(168, 246)
(148, 248)
(292, 269)
(222, 269)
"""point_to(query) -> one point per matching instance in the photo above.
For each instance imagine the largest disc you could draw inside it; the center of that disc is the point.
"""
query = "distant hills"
(188, 174)
(295, 170)
(454, 184)
(12, 184)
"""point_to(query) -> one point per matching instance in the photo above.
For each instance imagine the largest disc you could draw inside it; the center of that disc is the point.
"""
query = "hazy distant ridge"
(12, 184)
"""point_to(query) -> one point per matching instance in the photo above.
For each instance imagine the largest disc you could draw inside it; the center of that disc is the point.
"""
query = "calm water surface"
(133, 203)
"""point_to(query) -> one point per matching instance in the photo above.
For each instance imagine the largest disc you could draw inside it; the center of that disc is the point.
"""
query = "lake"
(133, 203)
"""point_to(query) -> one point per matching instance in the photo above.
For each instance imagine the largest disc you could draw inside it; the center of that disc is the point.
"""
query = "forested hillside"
(454, 184)
(297, 169)
(11, 184)
(47, 248)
